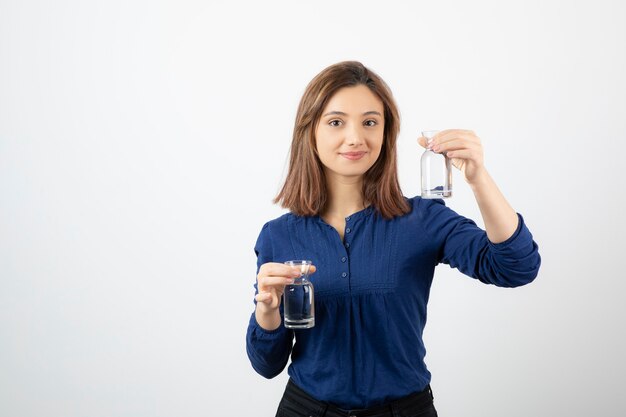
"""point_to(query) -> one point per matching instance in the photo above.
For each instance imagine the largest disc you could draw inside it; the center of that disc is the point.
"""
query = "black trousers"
(297, 403)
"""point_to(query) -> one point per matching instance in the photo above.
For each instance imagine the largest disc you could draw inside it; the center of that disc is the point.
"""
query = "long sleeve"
(268, 351)
(465, 246)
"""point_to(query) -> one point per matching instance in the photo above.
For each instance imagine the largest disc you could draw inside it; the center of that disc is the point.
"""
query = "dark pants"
(297, 403)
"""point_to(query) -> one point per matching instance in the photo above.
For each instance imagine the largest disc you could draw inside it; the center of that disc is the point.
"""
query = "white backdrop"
(141, 144)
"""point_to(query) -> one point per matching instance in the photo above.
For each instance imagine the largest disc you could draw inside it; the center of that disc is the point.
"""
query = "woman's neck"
(345, 197)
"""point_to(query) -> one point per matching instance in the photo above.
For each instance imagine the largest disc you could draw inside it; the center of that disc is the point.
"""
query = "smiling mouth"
(353, 155)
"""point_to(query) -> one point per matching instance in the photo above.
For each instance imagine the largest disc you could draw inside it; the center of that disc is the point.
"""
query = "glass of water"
(436, 171)
(298, 298)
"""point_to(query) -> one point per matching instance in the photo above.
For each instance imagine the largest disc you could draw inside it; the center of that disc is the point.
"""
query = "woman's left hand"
(463, 148)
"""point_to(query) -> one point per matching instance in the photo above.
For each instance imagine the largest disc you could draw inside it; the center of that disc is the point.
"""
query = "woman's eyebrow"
(340, 113)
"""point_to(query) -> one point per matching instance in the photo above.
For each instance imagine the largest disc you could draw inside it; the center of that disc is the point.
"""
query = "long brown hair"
(305, 191)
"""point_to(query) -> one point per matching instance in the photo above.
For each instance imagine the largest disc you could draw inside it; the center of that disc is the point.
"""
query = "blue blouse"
(371, 291)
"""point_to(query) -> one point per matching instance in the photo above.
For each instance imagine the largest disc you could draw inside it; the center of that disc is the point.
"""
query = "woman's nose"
(354, 135)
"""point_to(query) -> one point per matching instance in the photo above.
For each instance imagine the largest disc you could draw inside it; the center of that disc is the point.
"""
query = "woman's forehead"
(354, 100)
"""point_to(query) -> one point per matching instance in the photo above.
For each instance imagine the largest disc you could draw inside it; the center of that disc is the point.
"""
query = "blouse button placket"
(344, 259)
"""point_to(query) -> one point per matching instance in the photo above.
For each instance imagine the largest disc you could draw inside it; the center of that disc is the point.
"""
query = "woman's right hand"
(271, 281)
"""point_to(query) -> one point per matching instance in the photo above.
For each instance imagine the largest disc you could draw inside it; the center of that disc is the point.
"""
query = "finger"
(264, 297)
(274, 281)
(289, 271)
(451, 134)
(449, 145)
(467, 154)
(265, 280)
(269, 300)
(454, 144)
(447, 132)
(422, 141)
(276, 269)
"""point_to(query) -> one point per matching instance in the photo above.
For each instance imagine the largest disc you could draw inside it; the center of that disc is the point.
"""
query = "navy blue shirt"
(371, 291)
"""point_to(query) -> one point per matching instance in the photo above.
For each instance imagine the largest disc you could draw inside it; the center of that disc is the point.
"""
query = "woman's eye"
(334, 122)
(370, 123)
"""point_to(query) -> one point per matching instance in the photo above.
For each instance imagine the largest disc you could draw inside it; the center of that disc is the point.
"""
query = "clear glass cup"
(298, 299)
(436, 171)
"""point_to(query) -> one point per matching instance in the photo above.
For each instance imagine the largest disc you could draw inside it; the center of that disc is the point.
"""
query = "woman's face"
(349, 135)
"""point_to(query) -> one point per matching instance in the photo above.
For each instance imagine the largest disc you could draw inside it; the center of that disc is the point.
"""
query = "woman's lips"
(353, 156)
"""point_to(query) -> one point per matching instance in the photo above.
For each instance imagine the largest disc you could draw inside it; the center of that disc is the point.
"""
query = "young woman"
(374, 253)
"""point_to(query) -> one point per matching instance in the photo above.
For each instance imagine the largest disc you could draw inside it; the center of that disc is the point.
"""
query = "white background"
(141, 143)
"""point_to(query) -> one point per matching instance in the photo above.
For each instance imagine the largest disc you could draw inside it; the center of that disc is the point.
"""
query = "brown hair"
(305, 191)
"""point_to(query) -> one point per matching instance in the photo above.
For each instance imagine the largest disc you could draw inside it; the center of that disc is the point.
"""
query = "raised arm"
(465, 151)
